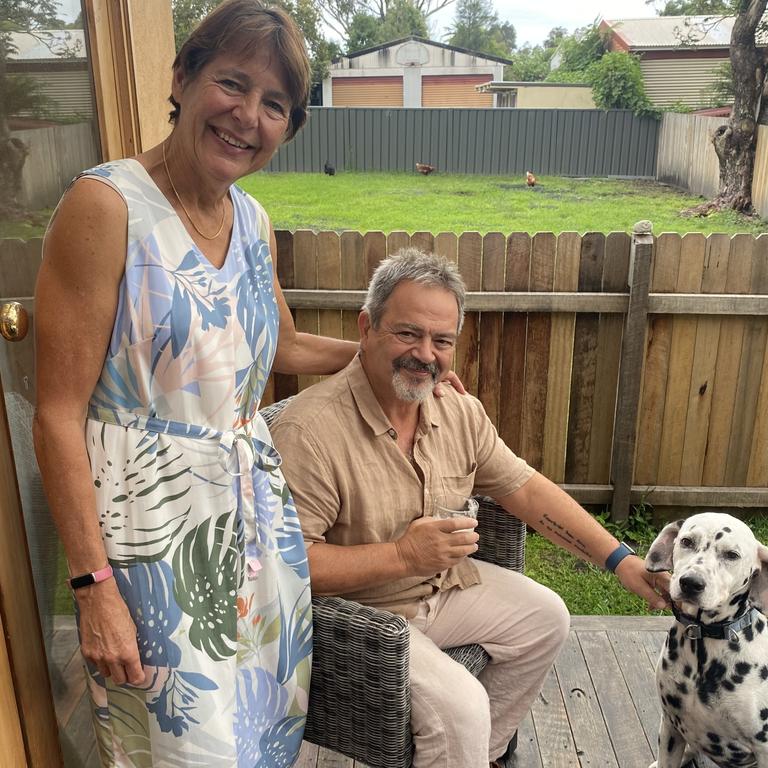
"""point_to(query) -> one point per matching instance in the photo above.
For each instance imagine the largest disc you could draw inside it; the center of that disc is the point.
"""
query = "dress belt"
(239, 451)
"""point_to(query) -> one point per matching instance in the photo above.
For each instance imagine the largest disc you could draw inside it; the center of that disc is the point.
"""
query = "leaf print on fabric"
(250, 305)
(174, 704)
(290, 541)
(249, 389)
(206, 573)
(152, 477)
(296, 637)
(148, 592)
(281, 742)
(260, 704)
(129, 722)
(181, 319)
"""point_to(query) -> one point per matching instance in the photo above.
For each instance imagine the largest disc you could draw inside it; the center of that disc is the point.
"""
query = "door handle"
(14, 321)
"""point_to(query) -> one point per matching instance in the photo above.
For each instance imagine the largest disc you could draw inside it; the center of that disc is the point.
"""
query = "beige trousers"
(459, 721)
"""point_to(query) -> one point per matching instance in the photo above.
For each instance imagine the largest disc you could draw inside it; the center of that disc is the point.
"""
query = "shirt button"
(392, 433)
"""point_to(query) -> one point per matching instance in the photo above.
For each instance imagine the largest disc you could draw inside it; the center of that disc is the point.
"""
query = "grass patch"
(459, 203)
(26, 229)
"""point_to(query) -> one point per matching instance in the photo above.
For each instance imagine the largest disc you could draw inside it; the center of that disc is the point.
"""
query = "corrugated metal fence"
(567, 142)
(687, 157)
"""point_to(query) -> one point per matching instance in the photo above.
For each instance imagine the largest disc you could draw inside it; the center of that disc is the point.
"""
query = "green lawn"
(458, 203)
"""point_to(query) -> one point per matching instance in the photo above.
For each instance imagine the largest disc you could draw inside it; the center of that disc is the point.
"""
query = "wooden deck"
(598, 706)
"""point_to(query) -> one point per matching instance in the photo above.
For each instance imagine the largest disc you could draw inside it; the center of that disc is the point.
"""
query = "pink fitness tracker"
(76, 582)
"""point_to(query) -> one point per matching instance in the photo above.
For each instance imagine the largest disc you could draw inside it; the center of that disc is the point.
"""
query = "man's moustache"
(414, 365)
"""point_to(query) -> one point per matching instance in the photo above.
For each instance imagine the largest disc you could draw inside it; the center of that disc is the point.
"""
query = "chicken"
(425, 168)
(530, 179)
(329, 169)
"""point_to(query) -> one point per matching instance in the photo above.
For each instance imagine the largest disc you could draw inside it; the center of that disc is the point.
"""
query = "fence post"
(630, 370)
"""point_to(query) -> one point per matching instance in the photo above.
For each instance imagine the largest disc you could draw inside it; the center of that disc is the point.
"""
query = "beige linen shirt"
(353, 485)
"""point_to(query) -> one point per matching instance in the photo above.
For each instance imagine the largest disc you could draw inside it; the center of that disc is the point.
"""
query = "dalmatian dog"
(712, 675)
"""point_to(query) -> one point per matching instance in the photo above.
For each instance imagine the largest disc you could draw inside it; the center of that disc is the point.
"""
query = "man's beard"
(407, 390)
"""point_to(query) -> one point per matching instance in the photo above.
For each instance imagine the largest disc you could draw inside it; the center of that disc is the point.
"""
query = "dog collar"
(721, 630)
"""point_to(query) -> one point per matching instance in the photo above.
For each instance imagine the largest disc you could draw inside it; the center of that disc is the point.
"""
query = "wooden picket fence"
(657, 393)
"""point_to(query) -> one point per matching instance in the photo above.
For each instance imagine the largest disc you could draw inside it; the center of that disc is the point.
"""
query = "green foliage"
(476, 26)
(617, 83)
(187, 14)
(693, 7)
(529, 64)
(679, 107)
(638, 529)
(577, 52)
(22, 96)
(363, 32)
(402, 19)
(555, 35)
(721, 92)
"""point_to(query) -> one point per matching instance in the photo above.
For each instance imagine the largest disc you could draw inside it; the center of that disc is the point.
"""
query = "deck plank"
(553, 731)
(593, 744)
(627, 736)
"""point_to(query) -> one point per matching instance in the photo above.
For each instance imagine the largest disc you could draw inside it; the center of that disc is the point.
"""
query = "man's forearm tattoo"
(563, 534)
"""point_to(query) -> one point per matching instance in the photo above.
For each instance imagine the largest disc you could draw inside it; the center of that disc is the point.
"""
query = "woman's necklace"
(184, 207)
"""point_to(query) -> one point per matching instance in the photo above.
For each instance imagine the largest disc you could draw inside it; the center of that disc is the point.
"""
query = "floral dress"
(196, 518)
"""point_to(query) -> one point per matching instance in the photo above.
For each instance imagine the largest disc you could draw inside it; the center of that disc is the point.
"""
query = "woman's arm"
(305, 352)
(75, 306)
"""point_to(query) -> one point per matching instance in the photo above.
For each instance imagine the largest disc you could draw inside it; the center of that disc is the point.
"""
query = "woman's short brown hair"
(243, 26)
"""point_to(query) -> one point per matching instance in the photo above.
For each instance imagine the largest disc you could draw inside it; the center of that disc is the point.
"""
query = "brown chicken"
(530, 179)
(425, 168)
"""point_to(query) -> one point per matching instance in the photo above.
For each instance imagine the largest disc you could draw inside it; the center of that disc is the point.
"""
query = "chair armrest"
(359, 699)
(502, 536)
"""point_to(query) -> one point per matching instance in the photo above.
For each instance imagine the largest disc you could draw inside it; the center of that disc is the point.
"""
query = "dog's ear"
(758, 590)
(659, 557)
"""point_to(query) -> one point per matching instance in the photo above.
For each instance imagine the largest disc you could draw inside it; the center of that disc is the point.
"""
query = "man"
(367, 451)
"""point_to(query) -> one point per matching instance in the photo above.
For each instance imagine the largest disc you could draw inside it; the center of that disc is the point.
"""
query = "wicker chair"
(359, 700)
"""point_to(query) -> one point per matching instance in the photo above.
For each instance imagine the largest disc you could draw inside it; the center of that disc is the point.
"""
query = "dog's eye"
(686, 543)
(732, 554)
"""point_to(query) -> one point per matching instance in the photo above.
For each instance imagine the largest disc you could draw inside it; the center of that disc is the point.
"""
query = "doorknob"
(14, 321)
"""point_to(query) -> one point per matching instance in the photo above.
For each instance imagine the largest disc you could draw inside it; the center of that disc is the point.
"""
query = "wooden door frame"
(130, 42)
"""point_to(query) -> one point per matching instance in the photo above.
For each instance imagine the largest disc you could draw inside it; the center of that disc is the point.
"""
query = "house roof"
(425, 41)
(673, 31)
(48, 44)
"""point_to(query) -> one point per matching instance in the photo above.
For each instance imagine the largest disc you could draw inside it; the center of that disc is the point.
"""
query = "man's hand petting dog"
(652, 587)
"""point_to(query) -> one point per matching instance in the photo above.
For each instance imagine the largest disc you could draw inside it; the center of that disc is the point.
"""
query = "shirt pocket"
(459, 484)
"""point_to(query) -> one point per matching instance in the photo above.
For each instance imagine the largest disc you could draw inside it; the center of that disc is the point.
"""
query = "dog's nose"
(692, 585)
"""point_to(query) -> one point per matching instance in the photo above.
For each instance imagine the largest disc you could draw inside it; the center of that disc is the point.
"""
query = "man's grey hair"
(420, 267)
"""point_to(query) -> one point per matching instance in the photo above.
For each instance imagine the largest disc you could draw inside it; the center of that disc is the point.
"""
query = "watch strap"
(86, 579)
(618, 554)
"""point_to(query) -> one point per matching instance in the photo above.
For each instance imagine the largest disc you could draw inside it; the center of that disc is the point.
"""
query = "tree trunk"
(735, 142)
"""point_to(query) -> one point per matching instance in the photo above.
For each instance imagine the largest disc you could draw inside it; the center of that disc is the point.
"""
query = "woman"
(157, 324)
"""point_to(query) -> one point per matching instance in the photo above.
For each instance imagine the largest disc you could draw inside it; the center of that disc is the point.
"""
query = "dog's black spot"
(682, 688)
(674, 701)
(736, 680)
(749, 634)
(742, 667)
(764, 672)
(727, 529)
(718, 536)
(664, 664)
(711, 614)
(709, 544)
(671, 743)
(654, 557)
(711, 681)
(713, 737)
(762, 736)
(714, 750)
(764, 713)
(700, 561)
(759, 626)
(734, 646)
(687, 670)
(728, 685)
